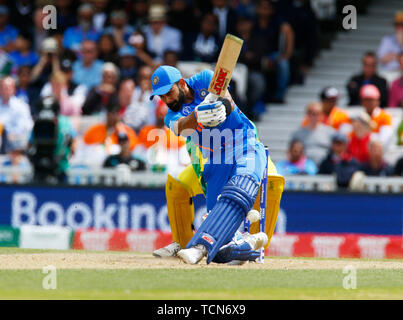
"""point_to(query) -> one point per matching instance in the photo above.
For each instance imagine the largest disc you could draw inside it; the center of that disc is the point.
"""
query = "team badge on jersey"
(155, 80)
(203, 93)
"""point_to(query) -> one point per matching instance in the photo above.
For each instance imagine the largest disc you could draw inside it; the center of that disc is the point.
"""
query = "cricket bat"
(226, 62)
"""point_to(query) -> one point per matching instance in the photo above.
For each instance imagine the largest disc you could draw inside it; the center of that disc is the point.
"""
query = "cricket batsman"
(230, 171)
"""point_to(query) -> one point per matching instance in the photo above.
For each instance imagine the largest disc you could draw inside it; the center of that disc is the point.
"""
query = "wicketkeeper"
(229, 173)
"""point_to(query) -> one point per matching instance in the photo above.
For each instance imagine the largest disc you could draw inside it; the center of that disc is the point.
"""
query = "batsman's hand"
(210, 114)
(211, 98)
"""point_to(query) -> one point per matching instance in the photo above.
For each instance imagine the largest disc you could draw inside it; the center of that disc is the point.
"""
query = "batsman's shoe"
(192, 255)
(257, 240)
(241, 249)
(168, 251)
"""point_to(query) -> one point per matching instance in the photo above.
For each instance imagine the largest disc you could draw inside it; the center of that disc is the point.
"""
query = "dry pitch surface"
(128, 275)
(101, 260)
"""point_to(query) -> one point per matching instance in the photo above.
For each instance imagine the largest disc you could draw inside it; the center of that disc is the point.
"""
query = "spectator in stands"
(273, 28)
(21, 14)
(305, 25)
(87, 70)
(227, 17)
(107, 133)
(134, 113)
(74, 36)
(143, 91)
(139, 43)
(161, 37)
(316, 136)
(66, 16)
(23, 55)
(396, 89)
(331, 114)
(171, 58)
(15, 157)
(125, 156)
(391, 45)
(48, 63)
(358, 145)
(6, 64)
(8, 33)
(139, 13)
(339, 162)
(367, 76)
(99, 97)
(297, 162)
(107, 49)
(100, 17)
(75, 92)
(398, 169)
(3, 140)
(203, 46)
(137, 109)
(58, 85)
(25, 90)
(181, 16)
(119, 29)
(15, 114)
(376, 165)
(169, 140)
(382, 129)
(246, 7)
(165, 150)
(127, 62)
(252, 53)
(39, 32)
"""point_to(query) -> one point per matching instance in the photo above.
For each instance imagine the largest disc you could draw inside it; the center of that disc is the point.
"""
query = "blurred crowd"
(332, 140)
(97, 63)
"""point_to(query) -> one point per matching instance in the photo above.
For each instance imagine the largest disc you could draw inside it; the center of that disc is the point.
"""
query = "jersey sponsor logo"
(220, 81)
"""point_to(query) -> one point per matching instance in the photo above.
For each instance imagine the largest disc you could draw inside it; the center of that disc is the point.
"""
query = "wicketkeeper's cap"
(163, 79)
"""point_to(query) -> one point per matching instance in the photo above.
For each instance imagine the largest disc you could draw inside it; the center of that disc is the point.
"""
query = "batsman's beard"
(176, 105)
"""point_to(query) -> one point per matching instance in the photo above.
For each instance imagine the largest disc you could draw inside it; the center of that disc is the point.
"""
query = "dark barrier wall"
(125, 208)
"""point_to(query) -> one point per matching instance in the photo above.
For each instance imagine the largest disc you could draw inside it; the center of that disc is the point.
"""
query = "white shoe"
(192, 255)
(167, 252)
(257, 240)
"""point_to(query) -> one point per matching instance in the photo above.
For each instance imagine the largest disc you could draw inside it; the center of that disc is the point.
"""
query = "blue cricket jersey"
(232, 136)
(231, 148)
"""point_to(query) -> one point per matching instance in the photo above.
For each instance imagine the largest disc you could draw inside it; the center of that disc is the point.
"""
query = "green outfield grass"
(199, 283)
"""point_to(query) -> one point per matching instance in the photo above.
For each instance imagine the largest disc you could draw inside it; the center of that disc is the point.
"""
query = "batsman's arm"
(189, 122)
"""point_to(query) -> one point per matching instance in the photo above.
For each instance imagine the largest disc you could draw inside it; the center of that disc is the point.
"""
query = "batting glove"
(211, 114)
